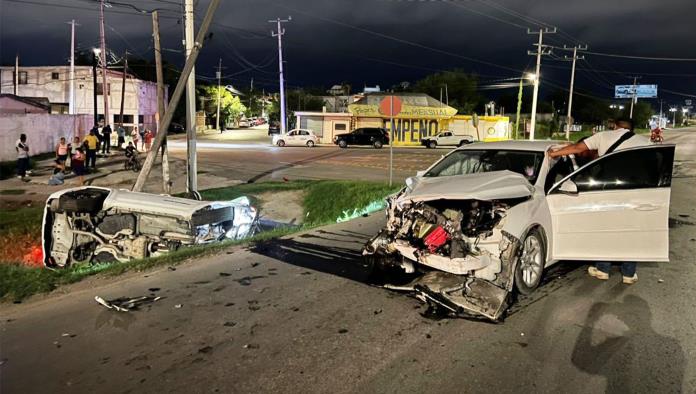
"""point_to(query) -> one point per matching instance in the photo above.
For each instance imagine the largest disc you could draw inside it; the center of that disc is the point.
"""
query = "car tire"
(280, 143)
(432, 144)
(464, 142)
(343, 144)
(81, 202)
(310, 144)
(530, 265)
(377, 144)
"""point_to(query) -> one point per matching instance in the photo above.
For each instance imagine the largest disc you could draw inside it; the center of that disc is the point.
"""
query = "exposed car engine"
(458, 245)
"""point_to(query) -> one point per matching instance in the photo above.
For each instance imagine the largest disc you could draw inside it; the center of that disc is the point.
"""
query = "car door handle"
(646, 207)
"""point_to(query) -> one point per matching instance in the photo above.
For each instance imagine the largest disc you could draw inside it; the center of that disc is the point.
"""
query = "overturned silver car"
(491, 217)
(96, 224)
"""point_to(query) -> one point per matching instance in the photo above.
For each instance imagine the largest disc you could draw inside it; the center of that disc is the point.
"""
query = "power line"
(670, 59)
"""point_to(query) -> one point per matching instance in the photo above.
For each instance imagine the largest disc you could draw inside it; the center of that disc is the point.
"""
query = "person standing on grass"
(121, 133)
(62, 150)
(142, 139)
(134, 136)
(77, 161)
(22, 156)
(148, 140)
(91, 143)
(106, 140)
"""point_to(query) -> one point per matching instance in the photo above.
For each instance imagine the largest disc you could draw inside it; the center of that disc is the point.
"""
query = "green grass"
(324, 202)
(12, 192)
(22, 220)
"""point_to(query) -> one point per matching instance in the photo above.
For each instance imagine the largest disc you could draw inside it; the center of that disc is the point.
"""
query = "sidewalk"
(110, 173)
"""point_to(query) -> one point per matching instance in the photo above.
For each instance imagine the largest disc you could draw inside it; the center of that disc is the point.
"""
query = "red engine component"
(436, 238)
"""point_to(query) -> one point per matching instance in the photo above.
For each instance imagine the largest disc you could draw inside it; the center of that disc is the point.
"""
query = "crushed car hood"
(482, 186)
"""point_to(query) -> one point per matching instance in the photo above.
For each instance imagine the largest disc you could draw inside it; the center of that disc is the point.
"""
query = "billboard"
(638, 91)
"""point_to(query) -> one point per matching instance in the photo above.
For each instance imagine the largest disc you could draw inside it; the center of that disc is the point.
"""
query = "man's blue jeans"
(627, 269)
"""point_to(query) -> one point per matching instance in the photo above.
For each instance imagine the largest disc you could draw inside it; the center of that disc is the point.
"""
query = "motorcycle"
(656, 135)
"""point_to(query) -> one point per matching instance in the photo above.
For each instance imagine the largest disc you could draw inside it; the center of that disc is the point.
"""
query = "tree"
(461, 89)
(231, 108)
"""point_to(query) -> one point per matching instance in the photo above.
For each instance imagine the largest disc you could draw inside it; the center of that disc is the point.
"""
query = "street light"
(531, 77)
(674, 116)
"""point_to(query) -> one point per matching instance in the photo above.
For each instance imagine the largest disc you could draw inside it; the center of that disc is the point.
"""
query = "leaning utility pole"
(280, 34)
(166, 184)
(191, 162)
(219, 78)
(102, 44)
(569, 120)
(176, 96)
(537, 76)
(71, 98)
(635, 97)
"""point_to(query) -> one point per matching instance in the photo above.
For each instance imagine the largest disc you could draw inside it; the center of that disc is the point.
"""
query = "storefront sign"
(407, 111)
(410, 131)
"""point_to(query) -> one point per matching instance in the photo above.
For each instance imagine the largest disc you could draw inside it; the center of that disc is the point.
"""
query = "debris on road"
(125, 304)
(660, 281)
(178, 306)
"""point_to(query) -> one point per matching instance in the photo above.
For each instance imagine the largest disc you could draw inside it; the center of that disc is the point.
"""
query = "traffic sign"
(390, 106)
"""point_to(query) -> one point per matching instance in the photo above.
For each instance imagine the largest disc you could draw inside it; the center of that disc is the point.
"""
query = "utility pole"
(166, 184)
(251, 90)
(123, 87)
(519, 107)
(572, 83)
(219, 77)
(94, 88)
(540, 51)
(176, 96)
(192, 165)
(102, 43)
(71, 98)
(634, 98)
(16, 76)
(279, 34)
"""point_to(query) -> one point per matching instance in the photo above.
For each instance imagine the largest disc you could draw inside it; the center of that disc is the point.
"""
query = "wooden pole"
(166, 183)
(123, 88)
(176, 96)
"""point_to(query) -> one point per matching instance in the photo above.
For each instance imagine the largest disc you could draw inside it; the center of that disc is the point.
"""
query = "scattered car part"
(125, 304)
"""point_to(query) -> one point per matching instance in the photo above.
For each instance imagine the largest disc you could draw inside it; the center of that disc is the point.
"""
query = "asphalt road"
(296, 315)
(247, 155)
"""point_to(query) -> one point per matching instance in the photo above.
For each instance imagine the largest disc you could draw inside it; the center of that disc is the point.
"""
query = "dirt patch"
(285, 206)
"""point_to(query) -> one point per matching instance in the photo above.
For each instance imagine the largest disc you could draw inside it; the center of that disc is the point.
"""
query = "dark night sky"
(329, 41)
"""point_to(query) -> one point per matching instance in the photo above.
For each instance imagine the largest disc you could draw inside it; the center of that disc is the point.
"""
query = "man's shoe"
(629, 280)
(593, 271)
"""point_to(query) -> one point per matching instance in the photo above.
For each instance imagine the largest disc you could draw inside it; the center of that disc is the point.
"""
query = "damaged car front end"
(454, 230)
(96, 224)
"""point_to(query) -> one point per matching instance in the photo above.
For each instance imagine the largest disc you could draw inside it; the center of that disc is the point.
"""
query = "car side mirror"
(411, 182)
(568, 187)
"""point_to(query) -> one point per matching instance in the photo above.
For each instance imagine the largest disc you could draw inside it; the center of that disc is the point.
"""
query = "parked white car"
(296, 137)
(446, 138)
(97, 224)
(489, 217)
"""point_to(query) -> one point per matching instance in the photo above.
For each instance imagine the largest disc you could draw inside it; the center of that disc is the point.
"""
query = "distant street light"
(96, 51)
(531, 77)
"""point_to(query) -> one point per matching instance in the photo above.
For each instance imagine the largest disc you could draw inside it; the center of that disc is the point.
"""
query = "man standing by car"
(91, 143)
(605, 142)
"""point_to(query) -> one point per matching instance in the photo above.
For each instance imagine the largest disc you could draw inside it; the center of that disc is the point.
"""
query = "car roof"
(533, 145)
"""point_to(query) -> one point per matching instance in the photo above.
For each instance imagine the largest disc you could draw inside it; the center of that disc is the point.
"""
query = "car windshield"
(471, 161)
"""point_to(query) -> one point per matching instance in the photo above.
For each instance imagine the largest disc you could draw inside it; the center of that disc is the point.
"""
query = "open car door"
(615, 208)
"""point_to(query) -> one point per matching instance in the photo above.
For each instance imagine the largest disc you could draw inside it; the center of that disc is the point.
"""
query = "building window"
(55, 76)
(141, 119)
(22, 77)
(340, 127)
(100, 89)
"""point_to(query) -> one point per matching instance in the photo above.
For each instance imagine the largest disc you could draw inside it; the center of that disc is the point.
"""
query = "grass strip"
(324, 203)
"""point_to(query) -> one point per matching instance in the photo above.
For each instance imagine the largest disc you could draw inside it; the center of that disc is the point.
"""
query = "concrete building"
(52, 83)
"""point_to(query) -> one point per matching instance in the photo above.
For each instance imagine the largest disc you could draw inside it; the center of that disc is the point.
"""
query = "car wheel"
(310, 144)
(280, 143)
(342, 144)
(378, 144)
(432, 144)
(464, 142)
(82, 201)
(530, 264)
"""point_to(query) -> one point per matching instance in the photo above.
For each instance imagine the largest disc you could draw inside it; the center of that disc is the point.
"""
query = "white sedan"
(296, 137)
(491, 217)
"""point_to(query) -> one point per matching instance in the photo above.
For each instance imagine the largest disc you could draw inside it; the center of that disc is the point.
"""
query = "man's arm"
(572, 149)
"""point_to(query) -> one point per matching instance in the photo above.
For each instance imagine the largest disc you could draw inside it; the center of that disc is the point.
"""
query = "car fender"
(523, 217)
